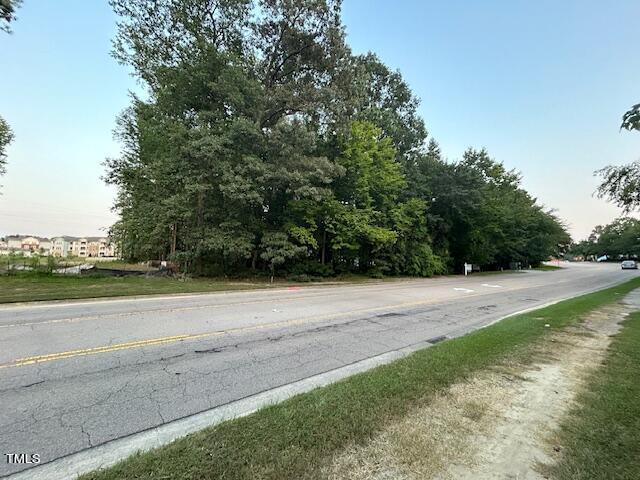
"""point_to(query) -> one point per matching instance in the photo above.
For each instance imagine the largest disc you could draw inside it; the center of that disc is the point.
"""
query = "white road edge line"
(112, 452)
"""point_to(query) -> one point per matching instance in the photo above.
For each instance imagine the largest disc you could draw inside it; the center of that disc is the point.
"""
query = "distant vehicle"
(629, 265)
(602, 258)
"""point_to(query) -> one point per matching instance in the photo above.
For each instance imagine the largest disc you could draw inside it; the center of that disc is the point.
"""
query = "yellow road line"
(178, 338)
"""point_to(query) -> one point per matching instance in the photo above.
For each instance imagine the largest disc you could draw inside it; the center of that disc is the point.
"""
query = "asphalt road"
(74, 375)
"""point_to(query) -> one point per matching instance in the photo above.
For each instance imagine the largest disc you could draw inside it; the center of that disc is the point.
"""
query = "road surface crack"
(87, 434)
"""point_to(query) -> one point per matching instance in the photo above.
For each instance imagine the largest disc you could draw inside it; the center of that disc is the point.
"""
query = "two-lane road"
(74, 375)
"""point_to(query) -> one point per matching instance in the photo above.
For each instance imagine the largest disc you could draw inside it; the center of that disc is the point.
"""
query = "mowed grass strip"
(601, 436)
(294, 439)
(29, 288)
(547, 268)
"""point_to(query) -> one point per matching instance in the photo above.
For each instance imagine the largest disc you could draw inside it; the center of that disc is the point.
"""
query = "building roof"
(65, 237)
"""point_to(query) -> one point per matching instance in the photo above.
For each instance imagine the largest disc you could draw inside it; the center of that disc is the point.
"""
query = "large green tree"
(228, 139)
(262, 142)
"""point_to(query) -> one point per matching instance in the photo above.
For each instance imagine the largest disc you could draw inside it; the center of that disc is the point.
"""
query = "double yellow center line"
(20, 362)
(92, 351)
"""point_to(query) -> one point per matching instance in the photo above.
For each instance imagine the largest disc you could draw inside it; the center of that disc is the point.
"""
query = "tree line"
(616, 240)
(263, 143)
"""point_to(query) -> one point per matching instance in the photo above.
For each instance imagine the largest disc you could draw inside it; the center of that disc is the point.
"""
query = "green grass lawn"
(29, 287)
(495, 272)
(294, 439)
(601, 437)
(547, 268)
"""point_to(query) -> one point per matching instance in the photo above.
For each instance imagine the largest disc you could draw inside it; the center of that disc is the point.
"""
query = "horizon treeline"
(615, 240)
(265, 144)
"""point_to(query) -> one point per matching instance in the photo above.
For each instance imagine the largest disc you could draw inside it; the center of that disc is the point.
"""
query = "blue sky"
(542, 85)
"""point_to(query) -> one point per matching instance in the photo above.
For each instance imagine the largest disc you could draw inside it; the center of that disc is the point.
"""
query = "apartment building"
(92, 247)
(30, 244)
(63, 246)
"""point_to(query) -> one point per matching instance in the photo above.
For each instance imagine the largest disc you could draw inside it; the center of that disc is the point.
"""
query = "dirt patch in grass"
(499, 424)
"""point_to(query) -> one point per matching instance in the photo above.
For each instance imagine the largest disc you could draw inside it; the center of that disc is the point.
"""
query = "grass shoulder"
(547, 268)
(31, 287)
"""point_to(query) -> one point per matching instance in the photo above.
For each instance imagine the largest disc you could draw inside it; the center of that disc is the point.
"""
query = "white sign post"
(467, 268)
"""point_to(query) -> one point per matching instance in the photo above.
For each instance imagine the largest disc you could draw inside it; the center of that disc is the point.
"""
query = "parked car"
(629, 265)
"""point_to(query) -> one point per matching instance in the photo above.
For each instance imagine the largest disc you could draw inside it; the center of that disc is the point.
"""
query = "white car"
(629, 265)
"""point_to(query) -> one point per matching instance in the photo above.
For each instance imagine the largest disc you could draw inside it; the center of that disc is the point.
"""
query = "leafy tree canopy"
(263, 143)
(619, 239)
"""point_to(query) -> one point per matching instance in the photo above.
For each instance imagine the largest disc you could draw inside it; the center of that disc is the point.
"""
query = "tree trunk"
(174, 238)
(200, 209)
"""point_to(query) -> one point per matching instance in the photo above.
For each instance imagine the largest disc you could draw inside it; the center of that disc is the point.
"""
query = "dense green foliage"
(264, 143)
(619, 239)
